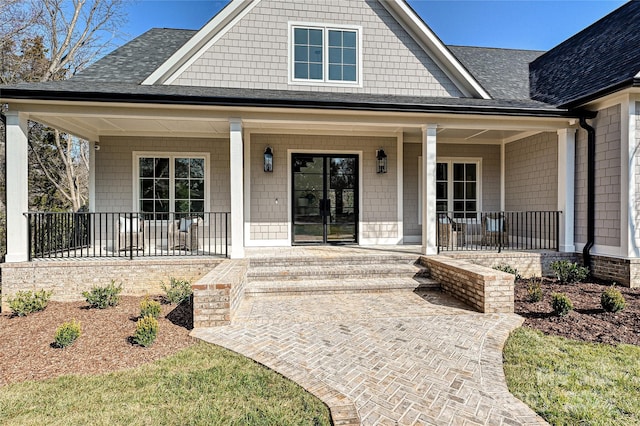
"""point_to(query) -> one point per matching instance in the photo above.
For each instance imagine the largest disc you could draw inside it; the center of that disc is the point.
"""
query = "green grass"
(574, 383)
(203, 384)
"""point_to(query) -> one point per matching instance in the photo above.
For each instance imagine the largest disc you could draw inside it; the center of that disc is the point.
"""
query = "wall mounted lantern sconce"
(381, 161)
(268, 160)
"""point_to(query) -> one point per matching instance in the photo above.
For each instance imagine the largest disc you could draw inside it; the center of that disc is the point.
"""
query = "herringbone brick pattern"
(397, 358)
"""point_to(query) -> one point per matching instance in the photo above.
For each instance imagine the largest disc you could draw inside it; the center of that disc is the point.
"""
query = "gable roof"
(503, 72)
(600, 59)
(135, 60)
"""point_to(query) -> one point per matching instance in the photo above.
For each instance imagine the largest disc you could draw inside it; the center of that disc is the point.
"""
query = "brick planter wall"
(528, 264)
(625, 272)
(216, 296)
(482, 288)
(68, 279)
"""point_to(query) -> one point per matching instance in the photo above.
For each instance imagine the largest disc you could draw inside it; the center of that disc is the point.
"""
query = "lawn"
(203, 384)
(570, 382)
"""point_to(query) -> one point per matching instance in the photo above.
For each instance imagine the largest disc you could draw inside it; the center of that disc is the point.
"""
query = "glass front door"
(325, 198)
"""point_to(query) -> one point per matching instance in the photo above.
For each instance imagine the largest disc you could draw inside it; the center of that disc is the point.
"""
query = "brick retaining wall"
(482, 288)
(528, 264)
(625, 272)
(216, 296)
(68, 279)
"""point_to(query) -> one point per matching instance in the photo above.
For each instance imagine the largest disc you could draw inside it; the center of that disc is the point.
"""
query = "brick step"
(333, 260)
(351, 285)
(338, 271)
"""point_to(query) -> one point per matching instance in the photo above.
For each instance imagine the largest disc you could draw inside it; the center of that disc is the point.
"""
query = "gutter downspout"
(591, 191)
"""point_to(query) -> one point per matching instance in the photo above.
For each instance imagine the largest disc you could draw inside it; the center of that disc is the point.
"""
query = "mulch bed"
(588, 321)
(27, 353)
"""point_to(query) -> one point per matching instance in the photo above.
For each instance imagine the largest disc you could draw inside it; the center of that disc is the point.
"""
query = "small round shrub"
(612, 300)
(149, 307)
(569, 272)
(103, 297)
(27, 302)
(534, 290)
(509, 270)
(561, 304)
(67, 333)
(177, 291)
(146, 331)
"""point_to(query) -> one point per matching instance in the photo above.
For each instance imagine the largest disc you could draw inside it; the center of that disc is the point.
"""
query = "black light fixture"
(268, 160)
(381, 161)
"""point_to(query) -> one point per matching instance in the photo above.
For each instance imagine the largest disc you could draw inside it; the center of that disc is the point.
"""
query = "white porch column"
(566, 187)
(630, 179)
(429, 187)
(237, 188)
(17, 187)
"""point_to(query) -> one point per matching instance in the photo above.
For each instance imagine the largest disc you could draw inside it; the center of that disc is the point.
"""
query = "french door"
(324, 198)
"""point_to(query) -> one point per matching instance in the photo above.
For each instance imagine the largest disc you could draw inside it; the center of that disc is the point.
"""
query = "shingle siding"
(531, 173)
(254, 53)
(607, 174)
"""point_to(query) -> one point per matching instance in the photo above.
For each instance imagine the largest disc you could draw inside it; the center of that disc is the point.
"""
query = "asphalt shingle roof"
(602, 56)
(504, 73)
(136, 60)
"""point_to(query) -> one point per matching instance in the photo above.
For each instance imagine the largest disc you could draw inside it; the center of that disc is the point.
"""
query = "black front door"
(324, 198)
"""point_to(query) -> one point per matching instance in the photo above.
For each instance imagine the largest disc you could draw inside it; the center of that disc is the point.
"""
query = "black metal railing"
(500, 230)
(127, 234)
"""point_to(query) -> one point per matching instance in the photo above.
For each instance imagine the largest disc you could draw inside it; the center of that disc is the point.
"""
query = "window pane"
(458, 190)
(182, 188)
(182, 206)
(315, 37)
(301, 54)
(315, 71)
(335, 38)
(349, 56)
(471, 190)
(182, 167)
(335, 55)
(162, 167)
(146, 167)
(441, 171)
(197, 168)
(146, 188)
(162, 189)
(471, 171)
(197, 189)
(147, 206)
(335, 72)
(301, 70)
(301, 36)
(441, 206)
(471, 206)
(197, 206)
(315, 55)
(349, 73)
(458, 171)
(458, 206)
(162, 205)
(349, 39)
(441, 190)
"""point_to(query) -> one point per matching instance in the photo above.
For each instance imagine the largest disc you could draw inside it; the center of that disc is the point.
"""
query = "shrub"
(508, 269)
(561, 304)
(146, 331)
(569, 272)
(103, 297)
(67, 333)
(26, 302)
(534, 289)
(149, 307)
(612, 300)
(177, 290)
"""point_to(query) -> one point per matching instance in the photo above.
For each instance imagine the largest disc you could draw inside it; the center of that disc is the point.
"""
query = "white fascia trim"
(201, 42)
(435, 48)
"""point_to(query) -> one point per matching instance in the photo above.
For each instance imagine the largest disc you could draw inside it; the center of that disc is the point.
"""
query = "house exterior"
(351, 122)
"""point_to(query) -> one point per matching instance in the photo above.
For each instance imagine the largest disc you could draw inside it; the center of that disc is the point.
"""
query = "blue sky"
(520, 24)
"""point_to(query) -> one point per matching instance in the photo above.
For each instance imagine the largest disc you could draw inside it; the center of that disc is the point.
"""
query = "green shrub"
(67, 333)
(509, 270)
(177, 290)
(612, 300)
(103, 297)
(561, 304)
(149, 307)
(146, 331)
(569, 272)
(26, 302)
(534, 290)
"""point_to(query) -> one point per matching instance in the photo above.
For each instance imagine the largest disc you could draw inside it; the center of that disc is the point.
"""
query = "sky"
(519, 24)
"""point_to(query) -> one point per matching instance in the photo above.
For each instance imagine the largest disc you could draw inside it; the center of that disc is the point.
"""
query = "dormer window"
(324, 54)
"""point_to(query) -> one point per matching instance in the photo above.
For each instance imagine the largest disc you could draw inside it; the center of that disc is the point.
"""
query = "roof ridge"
(497, 48)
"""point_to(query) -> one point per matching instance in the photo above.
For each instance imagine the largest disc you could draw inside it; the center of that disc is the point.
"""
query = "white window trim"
(172, 156)
(325, 54)
(450, 161)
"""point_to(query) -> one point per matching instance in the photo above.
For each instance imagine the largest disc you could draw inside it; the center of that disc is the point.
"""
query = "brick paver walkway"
(383, 359)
